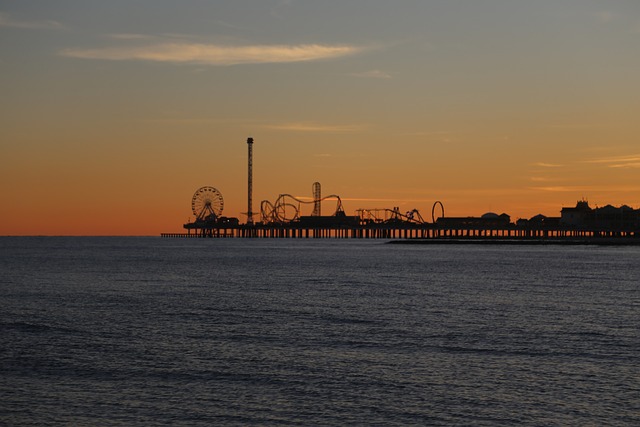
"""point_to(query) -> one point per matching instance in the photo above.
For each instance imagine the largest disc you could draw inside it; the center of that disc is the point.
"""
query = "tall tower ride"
(250, 179)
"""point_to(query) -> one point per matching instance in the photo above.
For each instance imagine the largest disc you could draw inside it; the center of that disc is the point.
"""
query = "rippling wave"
(121, 331)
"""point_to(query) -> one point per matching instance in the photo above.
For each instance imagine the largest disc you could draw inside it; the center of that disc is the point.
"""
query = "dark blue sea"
(113, 331)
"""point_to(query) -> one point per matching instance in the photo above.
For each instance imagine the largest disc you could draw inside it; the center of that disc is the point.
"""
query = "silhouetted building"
(539, 222)
(487, 221)
(576, 216)
(606, 218)
(339, 219)
(612, 218)
(229, 221)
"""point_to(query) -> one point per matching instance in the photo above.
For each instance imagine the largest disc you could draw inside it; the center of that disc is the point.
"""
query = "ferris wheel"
(207, 203)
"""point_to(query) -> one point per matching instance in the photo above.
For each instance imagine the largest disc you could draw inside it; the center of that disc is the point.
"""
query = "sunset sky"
(113, 113)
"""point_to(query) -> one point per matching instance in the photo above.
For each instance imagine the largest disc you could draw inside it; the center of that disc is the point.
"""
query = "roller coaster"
(282, 219)
(286, 208)
(389, 216)
(378, 216)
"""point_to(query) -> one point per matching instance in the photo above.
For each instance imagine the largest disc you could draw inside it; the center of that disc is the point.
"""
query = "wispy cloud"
(315, 127)
(592, 189)
(540, 179)
(547, 165)
(635, 165)
(372, 74)
(7, 21)
(560, 189)
(428, 133)
(214, 54)
(630, 161)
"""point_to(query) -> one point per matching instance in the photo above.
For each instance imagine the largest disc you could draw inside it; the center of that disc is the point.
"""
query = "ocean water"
(151, 331)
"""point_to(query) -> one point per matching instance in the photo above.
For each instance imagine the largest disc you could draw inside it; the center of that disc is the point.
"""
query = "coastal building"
(539, 222)
(576, 216)
(606, 218)
(490, 220)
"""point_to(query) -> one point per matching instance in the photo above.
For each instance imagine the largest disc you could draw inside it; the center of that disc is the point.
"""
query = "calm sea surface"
(151, 331)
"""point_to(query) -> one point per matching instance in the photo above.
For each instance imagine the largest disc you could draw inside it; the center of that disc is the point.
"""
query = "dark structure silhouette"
(250, 181)
(283, 218)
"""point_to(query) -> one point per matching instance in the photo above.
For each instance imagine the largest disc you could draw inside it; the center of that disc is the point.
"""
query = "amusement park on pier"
(289, 216)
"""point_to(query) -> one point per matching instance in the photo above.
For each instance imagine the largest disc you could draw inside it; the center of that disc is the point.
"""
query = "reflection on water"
(323, 332)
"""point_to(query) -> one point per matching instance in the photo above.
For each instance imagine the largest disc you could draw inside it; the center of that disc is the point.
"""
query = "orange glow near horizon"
(484, 106)
(94, 208)
(140, 194)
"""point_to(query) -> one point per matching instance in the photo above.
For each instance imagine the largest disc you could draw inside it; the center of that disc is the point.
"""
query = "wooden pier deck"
(403, 232)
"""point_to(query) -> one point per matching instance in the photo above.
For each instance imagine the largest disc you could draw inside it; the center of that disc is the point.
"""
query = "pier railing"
(402, 231)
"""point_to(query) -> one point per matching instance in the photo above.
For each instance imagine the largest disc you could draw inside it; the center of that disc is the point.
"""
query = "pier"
(404, 232)
(282, 219)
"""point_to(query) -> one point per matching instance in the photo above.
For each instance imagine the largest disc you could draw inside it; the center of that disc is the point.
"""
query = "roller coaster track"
(285, 209)
(390, 215)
